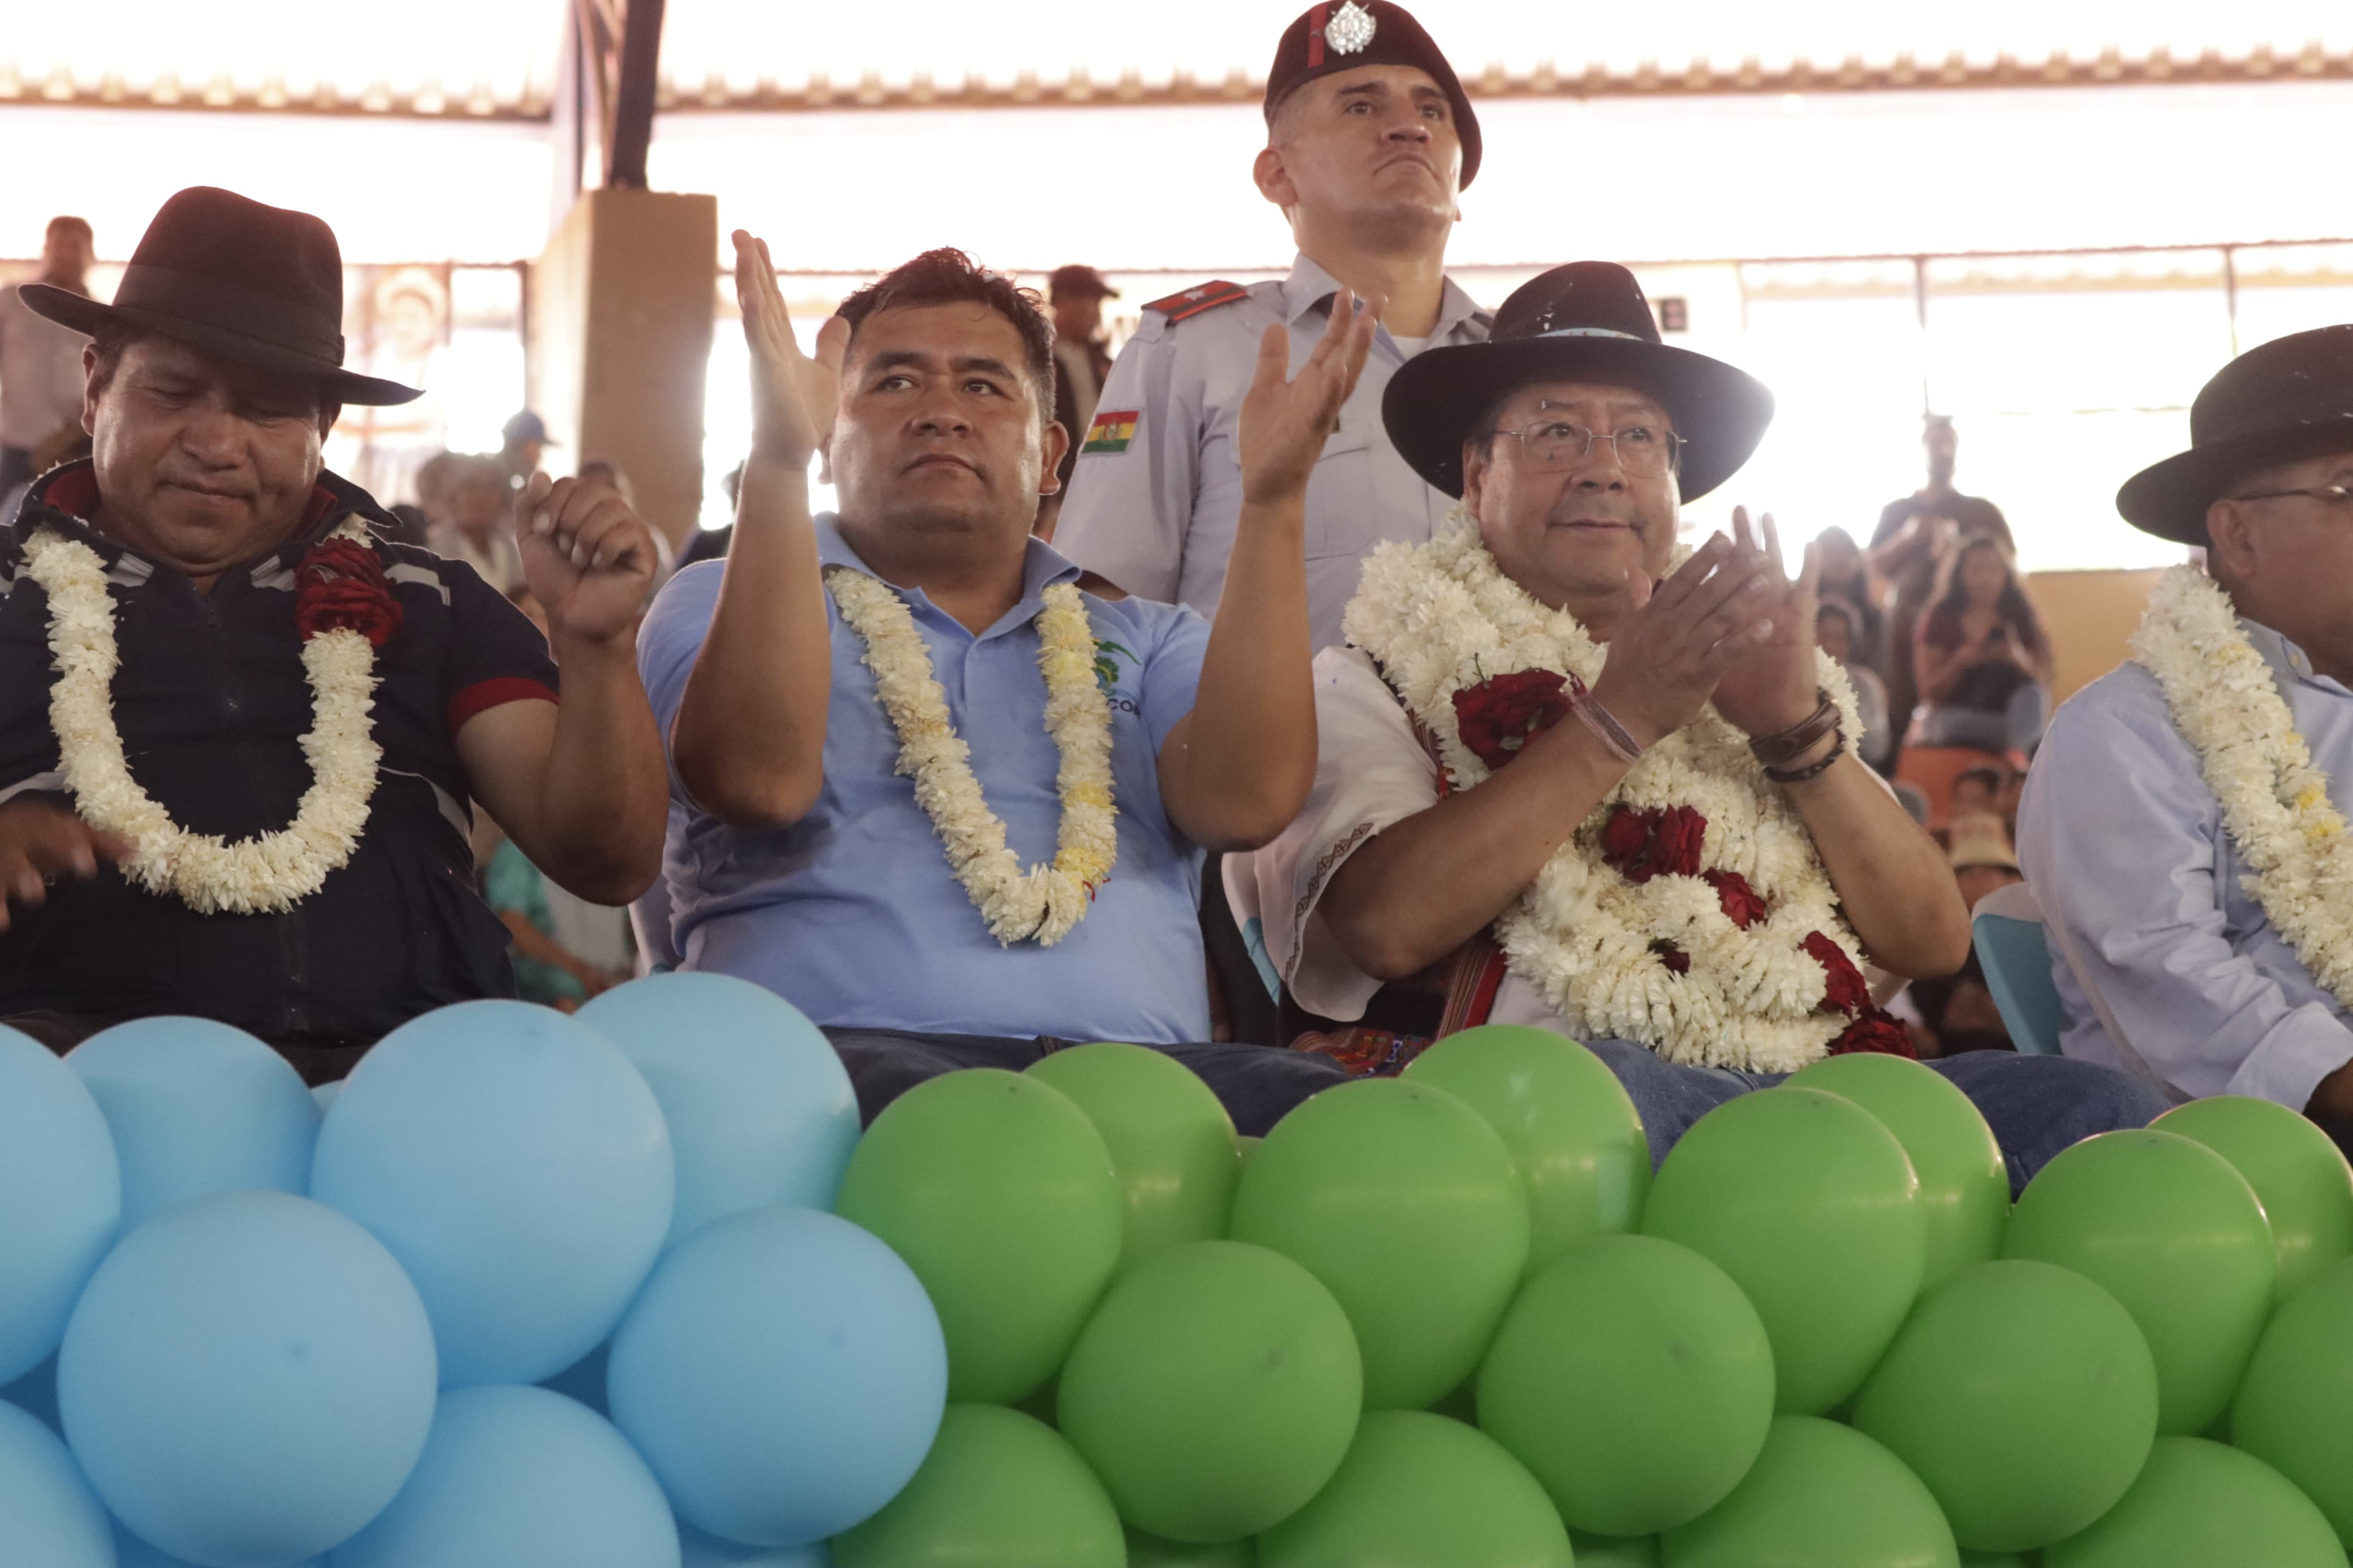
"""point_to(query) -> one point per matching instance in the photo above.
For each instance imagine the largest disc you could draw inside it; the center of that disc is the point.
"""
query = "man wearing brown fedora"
(239, 728)
(2183, 827)
(1573, 776)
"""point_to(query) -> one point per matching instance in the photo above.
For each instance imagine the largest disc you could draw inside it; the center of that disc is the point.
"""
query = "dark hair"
(1942, 624)
(1990, 776)
(946, 275)
(1830, 605)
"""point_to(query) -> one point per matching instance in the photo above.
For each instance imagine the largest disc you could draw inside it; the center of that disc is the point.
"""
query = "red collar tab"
(1208, 296)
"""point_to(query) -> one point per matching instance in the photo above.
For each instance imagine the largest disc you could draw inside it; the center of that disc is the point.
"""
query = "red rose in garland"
(340, 586)
(1846, 991)
(1497, 717)
(1653, 843)
(1743, 905)
(1875, 1031)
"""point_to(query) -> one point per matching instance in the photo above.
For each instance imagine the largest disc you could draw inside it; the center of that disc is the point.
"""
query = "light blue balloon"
(36, 1393)
(583, 1379)
(325, 1094)
(519, 1168)
(759, 1105)
(48, 1517)
(783, 1373)
(130, 1551)
(520, 1478)
(196, 1106)
(247, 1379)
(60, 1198)
(701, 1550)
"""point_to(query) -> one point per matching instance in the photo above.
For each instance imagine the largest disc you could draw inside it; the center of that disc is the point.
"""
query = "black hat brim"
(2170, 499)
(86, 315)
(1433, 403)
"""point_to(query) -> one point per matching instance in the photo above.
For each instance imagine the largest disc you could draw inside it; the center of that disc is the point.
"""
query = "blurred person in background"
(1982, 657)
(1847, 577)
(475, 500)
(1074, 298)
(711, 543)
(1982, 857)
(1370, 140)
(40, 362)
(523, 447)
(1834, 622)
(65, 443)
(1914, 539)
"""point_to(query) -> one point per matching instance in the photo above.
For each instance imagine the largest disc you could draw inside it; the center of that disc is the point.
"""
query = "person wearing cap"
(239, 727)
(40, 362)
(1571, 776)
(523, 440)
(1074, 297)
(2183, 824)
(1370, 139)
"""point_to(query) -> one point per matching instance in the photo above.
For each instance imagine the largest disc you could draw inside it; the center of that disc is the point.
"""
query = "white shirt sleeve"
(1370, 771)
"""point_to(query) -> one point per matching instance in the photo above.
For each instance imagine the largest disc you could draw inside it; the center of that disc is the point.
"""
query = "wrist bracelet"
(1606, 728)
(1778, 750)
(1811, 770)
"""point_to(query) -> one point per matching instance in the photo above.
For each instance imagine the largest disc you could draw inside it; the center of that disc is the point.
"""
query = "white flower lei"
(264, 874)
(1044, 904)
(1441, 617)
(2274, 802)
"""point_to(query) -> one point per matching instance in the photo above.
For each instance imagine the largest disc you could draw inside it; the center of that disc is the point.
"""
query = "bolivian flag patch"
(1111, 432)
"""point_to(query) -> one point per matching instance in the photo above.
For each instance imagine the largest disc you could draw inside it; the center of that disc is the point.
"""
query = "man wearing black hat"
(1370, 138)
(2183, 826)
(1572, 777)
(239, 728)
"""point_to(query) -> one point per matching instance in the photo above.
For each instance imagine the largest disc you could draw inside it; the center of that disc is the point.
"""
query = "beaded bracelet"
(1813, 769)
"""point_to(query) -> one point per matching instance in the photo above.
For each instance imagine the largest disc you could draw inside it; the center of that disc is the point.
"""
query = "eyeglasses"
(1641, 449)
(2336, 495)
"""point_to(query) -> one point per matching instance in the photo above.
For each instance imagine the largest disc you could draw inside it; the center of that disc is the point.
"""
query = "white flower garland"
(1044, 904)
(1441, 617)
(264, 874)
(2274, 802)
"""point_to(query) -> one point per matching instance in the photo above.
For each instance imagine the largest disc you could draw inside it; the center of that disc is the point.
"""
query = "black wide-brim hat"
(2289, 399)
(1348, 35)
(249, 284)
(1584, 321)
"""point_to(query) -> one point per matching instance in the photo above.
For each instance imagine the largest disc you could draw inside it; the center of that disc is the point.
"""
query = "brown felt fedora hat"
(2288, 399)
(249, 284)
(1584, 321)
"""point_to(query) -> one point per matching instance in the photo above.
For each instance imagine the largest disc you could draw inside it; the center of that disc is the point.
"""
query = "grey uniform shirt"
(1155, 512)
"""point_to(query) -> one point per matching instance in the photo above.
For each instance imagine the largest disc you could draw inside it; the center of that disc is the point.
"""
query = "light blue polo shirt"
(853, 915)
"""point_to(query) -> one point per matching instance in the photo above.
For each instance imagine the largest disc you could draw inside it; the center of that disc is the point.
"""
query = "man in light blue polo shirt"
(826, 689)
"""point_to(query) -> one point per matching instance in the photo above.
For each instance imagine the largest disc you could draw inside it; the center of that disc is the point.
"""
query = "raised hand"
(1285, 422)
(1772, 687)
(1669, 656)
(793, 396)
(588, 559)
(40, 842)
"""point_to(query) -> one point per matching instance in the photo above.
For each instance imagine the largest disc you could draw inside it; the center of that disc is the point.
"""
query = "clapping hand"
(1672, 650)
(1771, 688)
(586, 556)
(1285, 422)
(793, 396)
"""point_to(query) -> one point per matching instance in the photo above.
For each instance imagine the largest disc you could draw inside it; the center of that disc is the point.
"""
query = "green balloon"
(2294, 1409)
(1151, 1552)
(2177, 1236)
(1991, 1559)
(1405, 1204)
(1614, 1550)
(2296, 1170)
(1820, 1495)
(1964, 1186)
(1171, 1141)
(1418, 1491)
(1214, 1390)
(2023, 1396)
(1811, 1205)
(2199, 1505)
(1000, 1196)
(1569, 1123)
(1634, 1380)
(997, 1491)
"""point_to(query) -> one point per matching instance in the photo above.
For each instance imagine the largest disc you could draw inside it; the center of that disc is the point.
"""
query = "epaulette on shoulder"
(1193, 301)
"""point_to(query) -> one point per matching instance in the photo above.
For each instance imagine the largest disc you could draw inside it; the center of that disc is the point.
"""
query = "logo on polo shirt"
(1107, 657)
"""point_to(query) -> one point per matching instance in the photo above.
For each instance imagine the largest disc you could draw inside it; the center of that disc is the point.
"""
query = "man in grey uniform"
(1369, 137)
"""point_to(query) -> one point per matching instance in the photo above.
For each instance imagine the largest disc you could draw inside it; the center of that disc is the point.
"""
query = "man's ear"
(93, 383)
(328, 414)
(1057, 442)
(1475, 458)
(2231, 539)
(1274, 180)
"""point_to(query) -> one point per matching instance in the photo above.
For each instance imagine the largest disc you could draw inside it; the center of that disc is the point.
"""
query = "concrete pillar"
(621, 310)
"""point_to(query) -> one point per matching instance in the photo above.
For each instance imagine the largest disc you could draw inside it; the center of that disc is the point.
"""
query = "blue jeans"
(2035, 1105)
(1256, 1083)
